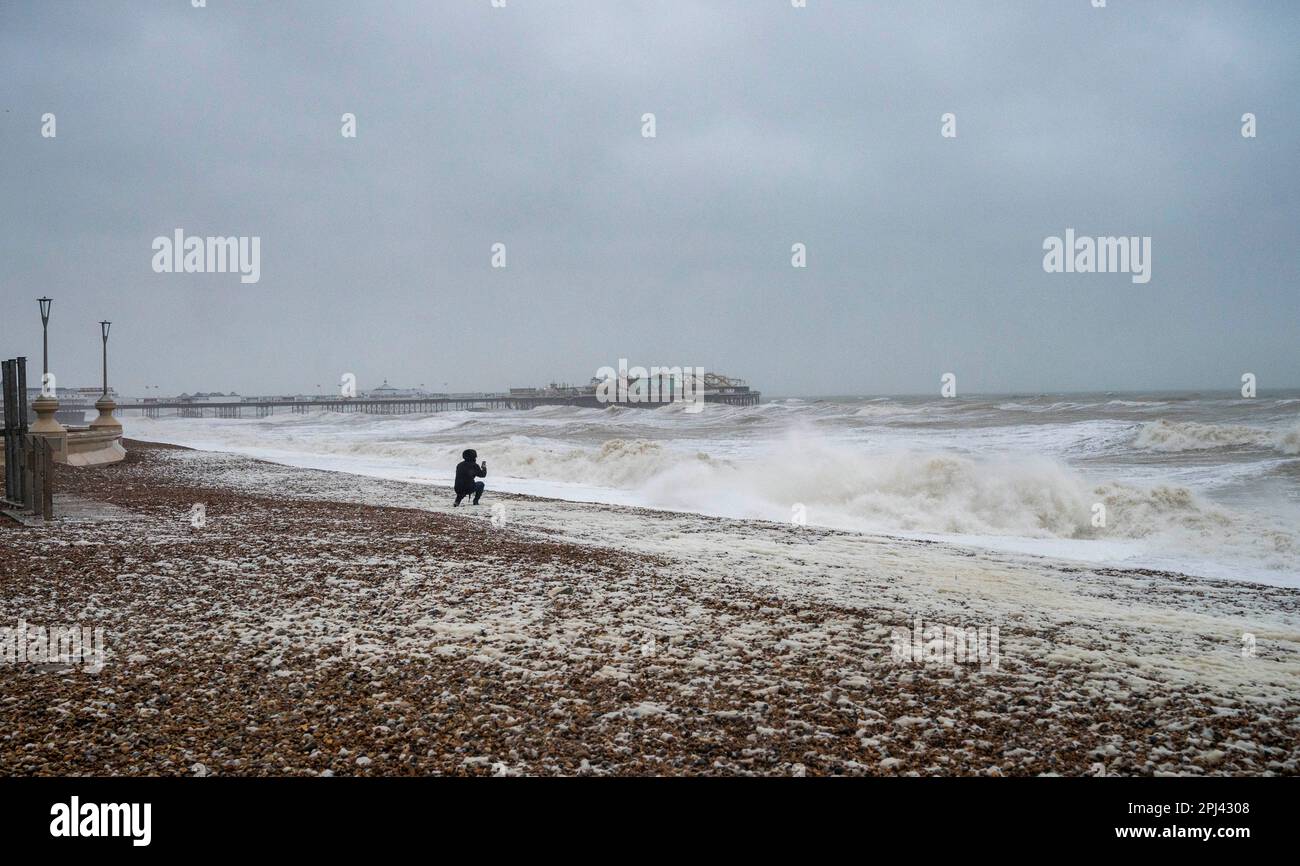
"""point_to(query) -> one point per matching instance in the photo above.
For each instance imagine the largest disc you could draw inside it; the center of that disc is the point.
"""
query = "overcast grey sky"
(775, 125)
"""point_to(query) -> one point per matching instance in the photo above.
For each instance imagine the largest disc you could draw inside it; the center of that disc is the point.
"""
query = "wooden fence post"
(47, 480)
(31, 473)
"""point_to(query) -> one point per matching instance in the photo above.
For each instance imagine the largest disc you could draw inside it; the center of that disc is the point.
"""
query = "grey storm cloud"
(775, 125)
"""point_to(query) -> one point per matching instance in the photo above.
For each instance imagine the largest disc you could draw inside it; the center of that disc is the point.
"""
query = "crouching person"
(466, 473)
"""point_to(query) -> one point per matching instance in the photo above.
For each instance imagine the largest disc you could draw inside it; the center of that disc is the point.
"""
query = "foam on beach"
(558, 637)
(1012, 488)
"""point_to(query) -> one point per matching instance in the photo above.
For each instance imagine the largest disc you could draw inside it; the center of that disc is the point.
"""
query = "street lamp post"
(45, 338)
(105, 403)
(47, 404)
(103, 327)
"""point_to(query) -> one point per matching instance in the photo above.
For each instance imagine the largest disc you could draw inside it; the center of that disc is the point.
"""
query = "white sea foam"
(883, 466)
(1173, 436)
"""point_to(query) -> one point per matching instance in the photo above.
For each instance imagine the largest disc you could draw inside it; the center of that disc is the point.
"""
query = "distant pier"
(264, 407)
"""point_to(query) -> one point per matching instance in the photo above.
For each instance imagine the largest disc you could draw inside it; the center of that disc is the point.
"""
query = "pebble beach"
(309, 623)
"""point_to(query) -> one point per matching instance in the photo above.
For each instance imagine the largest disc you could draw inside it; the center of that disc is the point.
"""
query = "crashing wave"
(1173, 436)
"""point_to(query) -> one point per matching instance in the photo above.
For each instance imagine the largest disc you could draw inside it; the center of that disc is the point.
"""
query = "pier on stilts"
(265, 407)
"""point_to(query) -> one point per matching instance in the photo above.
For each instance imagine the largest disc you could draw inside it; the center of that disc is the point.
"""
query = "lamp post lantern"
(103, 328)
(45, 337)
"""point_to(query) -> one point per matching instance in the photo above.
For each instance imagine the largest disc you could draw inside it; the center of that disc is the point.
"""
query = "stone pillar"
(45, 407)
(105, 405)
